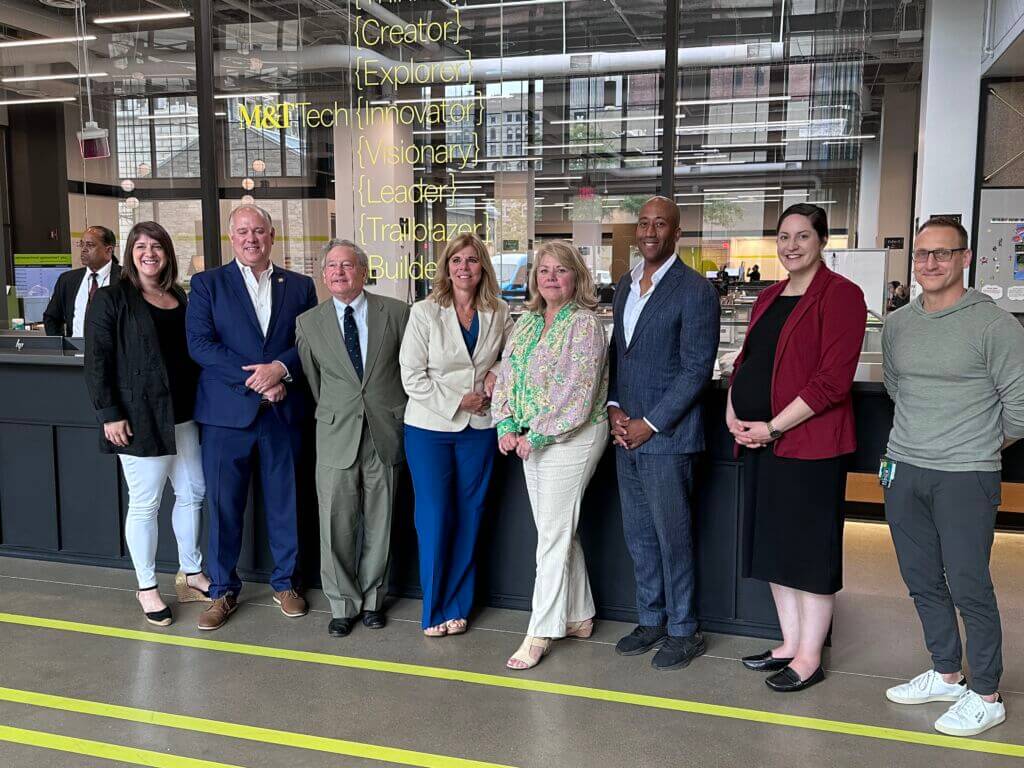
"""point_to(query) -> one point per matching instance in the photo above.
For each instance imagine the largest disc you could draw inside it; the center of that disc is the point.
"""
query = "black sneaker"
(640, 640)
(678, 652)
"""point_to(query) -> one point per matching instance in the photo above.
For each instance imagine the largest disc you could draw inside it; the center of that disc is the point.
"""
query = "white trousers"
(146, 477)
(556, 477)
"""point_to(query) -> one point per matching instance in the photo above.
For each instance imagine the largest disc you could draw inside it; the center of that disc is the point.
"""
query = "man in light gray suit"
(662, 355)
(349, 351)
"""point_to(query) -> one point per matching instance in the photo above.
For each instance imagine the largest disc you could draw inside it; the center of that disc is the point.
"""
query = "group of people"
(445, 385)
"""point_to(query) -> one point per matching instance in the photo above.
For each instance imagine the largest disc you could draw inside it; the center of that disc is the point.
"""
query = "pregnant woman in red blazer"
(791, 414)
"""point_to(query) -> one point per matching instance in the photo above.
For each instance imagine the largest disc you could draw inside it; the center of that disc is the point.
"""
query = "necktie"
(352, 342)
(93, 286)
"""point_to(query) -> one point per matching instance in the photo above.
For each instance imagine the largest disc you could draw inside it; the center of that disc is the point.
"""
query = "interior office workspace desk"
(61, 499)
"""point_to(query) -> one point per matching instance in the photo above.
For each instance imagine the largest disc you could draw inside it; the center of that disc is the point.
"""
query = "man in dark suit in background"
(65, 314)
(662, 356)
(252, 403)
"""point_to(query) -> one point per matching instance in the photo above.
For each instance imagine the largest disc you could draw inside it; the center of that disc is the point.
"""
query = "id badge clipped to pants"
(886, 472)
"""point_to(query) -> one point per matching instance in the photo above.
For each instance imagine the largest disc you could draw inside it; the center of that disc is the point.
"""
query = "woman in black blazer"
(142, 383)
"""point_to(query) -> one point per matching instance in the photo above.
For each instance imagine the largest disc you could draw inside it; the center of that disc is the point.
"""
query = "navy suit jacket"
(662, 372)
(224, 335)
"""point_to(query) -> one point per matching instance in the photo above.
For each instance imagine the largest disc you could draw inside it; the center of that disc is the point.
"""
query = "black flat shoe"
(788, 681)
(765, 662)
(374, 619)
(678, 652)
(340, 627)
(641, 640)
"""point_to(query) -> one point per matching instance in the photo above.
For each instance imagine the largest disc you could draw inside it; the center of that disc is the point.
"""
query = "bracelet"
(773, 432)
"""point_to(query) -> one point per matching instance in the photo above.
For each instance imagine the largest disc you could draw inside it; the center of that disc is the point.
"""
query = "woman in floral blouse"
(549, 404)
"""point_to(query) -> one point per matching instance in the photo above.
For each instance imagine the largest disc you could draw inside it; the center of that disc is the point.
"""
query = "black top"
(170, 332)
(752, 388)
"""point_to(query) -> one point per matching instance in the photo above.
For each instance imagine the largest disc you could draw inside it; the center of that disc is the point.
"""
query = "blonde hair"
(568, 255)
(487, 292)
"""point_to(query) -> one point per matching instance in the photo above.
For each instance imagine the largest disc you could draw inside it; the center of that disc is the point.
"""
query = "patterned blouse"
(553, 386)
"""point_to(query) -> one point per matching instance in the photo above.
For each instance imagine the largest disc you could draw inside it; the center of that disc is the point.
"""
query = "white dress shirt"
(259, 292)
(260, 295)
(635, 303)
(82, 297)
(359, 315)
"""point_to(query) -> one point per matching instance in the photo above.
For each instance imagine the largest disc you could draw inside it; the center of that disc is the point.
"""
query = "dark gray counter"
(61, 499)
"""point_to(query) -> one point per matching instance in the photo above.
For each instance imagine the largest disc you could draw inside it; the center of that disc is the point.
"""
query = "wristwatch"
(773, 432)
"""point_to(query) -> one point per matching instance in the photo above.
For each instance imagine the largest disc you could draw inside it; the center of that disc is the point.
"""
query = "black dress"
(181, 370)
(793, 516)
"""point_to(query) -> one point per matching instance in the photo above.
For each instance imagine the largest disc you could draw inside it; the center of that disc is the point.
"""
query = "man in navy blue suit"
(251, 403)
(662, 356)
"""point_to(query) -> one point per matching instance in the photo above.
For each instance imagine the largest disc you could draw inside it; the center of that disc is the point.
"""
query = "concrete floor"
(877, 641)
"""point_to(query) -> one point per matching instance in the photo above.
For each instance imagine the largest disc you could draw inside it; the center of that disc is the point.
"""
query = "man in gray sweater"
(954, 366)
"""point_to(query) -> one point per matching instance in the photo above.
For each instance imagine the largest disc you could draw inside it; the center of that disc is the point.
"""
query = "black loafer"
(340, 627)
(374, 619)
(788, 681)
(765, 662)
(678, 652)
(640, 640)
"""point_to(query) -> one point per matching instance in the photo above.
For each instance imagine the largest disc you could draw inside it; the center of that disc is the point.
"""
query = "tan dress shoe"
(291, 602)
(218, 612)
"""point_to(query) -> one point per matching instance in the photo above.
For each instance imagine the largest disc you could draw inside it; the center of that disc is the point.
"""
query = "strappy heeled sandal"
(532, 650)
(187, 593)
(582, 629)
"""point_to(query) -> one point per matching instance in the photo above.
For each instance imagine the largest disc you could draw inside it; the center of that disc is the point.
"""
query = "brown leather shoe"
(218, 612)
(291, 602)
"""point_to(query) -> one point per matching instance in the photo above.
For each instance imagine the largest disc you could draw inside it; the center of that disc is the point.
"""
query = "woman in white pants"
(143, 386)
(549, 404)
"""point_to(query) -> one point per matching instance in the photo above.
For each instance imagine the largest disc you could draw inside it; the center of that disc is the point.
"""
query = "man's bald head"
(663, 206)
(657, 229)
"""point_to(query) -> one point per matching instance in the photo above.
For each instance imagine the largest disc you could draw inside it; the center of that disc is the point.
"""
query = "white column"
(897, 142)
(867, 205)
(950, 92)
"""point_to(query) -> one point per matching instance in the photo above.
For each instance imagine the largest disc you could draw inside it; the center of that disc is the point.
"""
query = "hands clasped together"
(749, 434)
(627, 431)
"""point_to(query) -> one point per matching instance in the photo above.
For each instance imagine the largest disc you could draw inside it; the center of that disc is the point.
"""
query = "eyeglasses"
(941, 255)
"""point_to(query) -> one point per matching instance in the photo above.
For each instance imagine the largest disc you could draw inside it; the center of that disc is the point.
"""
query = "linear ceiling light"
(742, 189)
(32, 78)
(512, 4)
(159, 15)
(549, 189)
(179, 116)
(745, 144)
(738, 100)
(265, 94)
(11, 102)
(608, 119)
(589, 145)
(833, 139)
(46, 41)
(557, 178)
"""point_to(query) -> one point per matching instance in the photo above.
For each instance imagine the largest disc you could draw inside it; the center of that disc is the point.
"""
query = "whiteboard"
(868, 268)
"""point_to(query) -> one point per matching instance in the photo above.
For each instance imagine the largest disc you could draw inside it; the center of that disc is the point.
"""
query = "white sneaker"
(926, 687)
(971, 715)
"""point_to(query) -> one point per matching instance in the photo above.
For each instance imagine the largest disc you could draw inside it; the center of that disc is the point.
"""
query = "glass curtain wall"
(400, 125)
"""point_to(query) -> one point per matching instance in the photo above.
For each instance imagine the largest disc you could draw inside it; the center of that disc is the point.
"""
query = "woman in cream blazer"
(449, 359)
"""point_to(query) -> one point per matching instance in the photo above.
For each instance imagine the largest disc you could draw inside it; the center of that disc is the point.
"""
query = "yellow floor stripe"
(535, 686)
(103, 750)
(238, 731)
